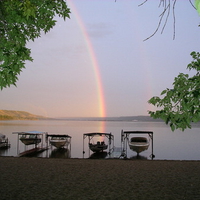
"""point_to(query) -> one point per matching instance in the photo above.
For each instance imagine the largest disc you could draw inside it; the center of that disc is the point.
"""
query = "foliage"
(20, 22)
(197, 5)
(5, 117)
(180, 106)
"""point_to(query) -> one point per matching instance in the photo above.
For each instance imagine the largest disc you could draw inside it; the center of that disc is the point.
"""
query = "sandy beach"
(44, 178)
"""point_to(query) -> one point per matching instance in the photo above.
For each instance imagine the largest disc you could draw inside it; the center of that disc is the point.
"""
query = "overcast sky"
(62, 81)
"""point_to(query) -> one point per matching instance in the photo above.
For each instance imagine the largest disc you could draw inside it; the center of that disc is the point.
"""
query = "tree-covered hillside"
(17, 115)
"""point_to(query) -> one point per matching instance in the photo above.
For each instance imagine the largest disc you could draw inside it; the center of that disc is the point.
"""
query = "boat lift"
(125, 139)
(90, 136)
(58, 135)
(38, 147)
(4, 142)
(59, 150)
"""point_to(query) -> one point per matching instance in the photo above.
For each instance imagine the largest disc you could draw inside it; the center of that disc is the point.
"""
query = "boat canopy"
(97, 134)
(30, 133)
(139, 132)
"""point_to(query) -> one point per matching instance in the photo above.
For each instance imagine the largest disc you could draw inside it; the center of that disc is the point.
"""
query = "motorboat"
(60, 141)
(139, 144)
(4, 143)
(96, 141)
(29, 138)
(98, 147)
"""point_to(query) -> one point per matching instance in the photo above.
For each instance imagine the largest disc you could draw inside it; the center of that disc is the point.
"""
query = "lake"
(167, 145)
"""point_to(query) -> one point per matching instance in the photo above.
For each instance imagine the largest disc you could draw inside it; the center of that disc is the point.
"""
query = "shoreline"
(78, 178)
(101, 159)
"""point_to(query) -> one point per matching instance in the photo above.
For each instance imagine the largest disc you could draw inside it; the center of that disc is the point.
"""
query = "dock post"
(152, 155)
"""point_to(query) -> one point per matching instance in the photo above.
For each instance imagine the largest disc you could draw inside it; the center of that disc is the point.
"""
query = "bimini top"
(139, 132)
(97, 134)
(30, 133)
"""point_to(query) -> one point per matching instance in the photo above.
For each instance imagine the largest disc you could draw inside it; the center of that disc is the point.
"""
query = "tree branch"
(166, 4)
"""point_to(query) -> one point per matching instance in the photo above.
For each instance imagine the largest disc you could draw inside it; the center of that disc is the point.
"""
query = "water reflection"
(60, 153)
(4, 151)
(167, 145)
(99, 155)
(138, 157)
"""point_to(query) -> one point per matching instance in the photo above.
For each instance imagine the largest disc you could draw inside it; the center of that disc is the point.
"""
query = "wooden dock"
(32, 152)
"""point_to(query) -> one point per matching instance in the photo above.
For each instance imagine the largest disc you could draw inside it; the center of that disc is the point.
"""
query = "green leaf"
(180, 106)
(197, 5)
(18, 26)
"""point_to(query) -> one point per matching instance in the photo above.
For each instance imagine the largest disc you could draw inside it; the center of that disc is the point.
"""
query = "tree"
(180, 106)
(20, 22)
(169, 8)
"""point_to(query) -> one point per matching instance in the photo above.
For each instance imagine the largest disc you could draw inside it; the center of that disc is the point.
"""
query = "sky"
(97, 64)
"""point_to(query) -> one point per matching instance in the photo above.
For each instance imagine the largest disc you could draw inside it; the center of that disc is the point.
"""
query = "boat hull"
(97, 147)
(59, 143)
(29, 141)
(139, 144)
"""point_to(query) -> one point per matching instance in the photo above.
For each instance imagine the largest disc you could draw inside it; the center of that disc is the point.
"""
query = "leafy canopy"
(180, 105)
(20, 22)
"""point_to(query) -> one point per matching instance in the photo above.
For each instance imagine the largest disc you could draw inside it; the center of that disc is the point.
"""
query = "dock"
(32, 152)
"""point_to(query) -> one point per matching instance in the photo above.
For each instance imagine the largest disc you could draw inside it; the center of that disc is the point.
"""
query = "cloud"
(99, 30)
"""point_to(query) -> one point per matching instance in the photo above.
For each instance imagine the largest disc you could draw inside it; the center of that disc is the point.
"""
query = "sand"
(44, 178)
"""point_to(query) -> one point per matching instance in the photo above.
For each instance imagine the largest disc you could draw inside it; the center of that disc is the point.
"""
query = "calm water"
(167, 145)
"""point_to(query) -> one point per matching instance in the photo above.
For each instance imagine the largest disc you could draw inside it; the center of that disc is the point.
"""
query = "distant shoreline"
(128, 119)
(23, 115)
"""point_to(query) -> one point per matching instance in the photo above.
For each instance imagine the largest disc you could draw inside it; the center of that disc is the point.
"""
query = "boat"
(139, 144)
(100, 145)
(60, 141)
(28, 139)
(4, 143)
(31, 137)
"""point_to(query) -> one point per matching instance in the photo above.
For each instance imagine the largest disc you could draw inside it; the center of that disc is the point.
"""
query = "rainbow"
(94, 61)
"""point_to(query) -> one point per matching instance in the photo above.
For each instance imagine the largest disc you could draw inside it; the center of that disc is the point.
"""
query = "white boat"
(98, 147)
(32, 137)
(139, 144)
(60, 141)
(4, 143)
